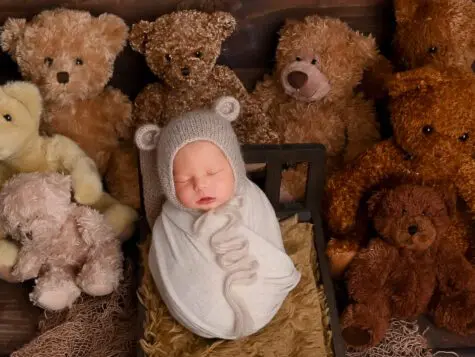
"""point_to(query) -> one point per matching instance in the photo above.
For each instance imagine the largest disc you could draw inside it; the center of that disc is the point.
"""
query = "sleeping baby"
(217, 256)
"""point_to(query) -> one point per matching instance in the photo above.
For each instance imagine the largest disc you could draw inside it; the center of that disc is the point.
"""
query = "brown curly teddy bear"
(181, 49)
(68, 248)
(435, 31)
(70, 55)
(433, 121)
(310, 97)
(410, 269)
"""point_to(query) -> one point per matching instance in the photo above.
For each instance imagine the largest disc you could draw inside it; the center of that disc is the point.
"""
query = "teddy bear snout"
(413, 229)
(297, 79)
(62, 77)
(185, 71)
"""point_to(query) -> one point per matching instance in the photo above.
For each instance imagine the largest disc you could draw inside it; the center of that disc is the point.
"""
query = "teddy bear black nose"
(297, 79)
(412, 229)
(62, 77)
(185, 71)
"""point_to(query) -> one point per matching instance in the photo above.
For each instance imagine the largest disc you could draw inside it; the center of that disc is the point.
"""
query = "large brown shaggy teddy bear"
(181, 49)
(409, 269)
(310, 97)
(433, 120)
(70, 55)
(435, 31)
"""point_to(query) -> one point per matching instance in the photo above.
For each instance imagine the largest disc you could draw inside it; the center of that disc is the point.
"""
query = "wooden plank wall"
(250, 51)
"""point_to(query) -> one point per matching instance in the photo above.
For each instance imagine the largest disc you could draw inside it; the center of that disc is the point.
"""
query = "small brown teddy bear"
(70, 55)
(409, 267)
(181, 49)
(67, 247)
(433, 121)
(310, 96)
(435, 31)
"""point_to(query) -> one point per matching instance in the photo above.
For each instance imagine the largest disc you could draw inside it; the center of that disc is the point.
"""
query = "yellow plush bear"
(22, 149)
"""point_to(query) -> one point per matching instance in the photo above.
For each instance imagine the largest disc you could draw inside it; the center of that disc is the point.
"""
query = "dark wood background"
(249, 51)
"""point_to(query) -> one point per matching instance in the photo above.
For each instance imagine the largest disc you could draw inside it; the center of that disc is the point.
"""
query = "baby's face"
(202, 176)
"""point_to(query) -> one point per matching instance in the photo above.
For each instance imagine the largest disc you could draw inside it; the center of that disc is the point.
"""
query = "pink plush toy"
(67, 247)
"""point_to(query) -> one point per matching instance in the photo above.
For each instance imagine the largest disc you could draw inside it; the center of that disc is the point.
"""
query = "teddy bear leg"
(8, 257)
(55, 290)
(120, 217)
(101, 273)
(122, 177)
(456, 313)
(364, 325)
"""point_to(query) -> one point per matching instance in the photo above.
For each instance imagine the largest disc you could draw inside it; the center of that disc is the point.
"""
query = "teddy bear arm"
(345, 188)
(119, 111)
(369, 270)
(266, 93)
(148, 105)
(454, 272)
(65, 155)
(28, 265)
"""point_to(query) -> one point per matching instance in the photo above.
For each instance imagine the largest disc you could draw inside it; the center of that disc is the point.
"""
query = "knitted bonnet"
(213, 125)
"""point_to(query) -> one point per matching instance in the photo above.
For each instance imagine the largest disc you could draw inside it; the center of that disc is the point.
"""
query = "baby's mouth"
(206, 200)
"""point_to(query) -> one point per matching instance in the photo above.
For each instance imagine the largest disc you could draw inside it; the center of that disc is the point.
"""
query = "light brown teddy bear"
(23, 150)
(310, 97)
(181, 49)
(440, 32)
(67, 247)
(70, 55)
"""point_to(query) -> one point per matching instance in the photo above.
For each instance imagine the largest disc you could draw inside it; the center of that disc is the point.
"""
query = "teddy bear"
(310, 96)
(181, 49)
(435, 31)
(409, 269)
(66, 247)
(23, 150)
(433, 120)
(70, 56)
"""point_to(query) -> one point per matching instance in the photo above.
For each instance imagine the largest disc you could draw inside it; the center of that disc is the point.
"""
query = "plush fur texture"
(22, 149)
(66, 247)
(410, 269)
(181, 49)
(433, 120)
(70, 55)
(435, 31)
(310, 96)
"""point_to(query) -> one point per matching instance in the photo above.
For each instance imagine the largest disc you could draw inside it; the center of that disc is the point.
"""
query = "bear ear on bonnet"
(227, 108)
(146, 137)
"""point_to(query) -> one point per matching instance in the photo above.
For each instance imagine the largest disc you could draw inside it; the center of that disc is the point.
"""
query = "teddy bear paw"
(87, 190)
(122, 219)
(356, 337)
(8, 257)
(56, 299)
(100, 287)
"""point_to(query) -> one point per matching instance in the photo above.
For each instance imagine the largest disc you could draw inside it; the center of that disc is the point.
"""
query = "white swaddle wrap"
(223, 273)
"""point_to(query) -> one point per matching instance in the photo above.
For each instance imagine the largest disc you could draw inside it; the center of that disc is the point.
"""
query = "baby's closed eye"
(214, 172)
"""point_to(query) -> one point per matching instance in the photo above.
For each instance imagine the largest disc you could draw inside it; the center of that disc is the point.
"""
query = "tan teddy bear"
(438, 32)
(70, 55)
(310, 97)
(22, 149)
(67, 247)
(181, 49)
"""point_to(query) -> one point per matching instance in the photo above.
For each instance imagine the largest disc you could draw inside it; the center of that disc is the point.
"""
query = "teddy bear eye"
(198, 54)
(7, 117)
(427, 129)
(404, 211)
(463, 137)
(79, 61)
(314, 61)
(432, 50)
(48, 61)
(298, 59)
(168, 57)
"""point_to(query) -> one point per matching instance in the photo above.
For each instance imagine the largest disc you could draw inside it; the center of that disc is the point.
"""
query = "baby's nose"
(201, 182)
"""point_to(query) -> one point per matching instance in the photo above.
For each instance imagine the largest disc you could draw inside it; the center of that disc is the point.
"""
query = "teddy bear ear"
(11, 32)
(374, 201)
(312, 19)
(28, 94)
(417, 79)
(138, 35)
(115, 32)
(225, 22)
(146, 137)
(227, 107)
(405, 9)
